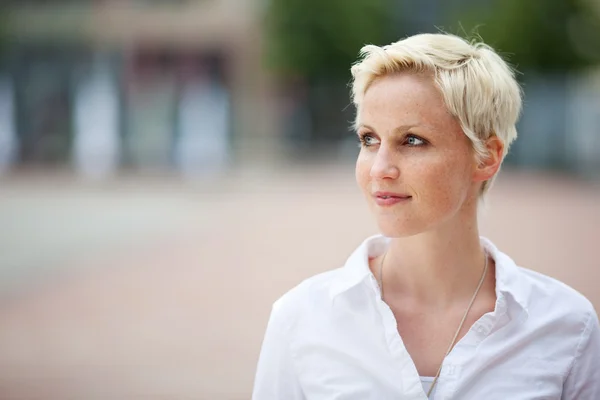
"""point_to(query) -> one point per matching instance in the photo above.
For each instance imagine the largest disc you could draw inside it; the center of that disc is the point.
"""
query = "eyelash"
(363, 137)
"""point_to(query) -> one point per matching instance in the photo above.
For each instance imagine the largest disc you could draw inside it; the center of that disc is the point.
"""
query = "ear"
(489, 166)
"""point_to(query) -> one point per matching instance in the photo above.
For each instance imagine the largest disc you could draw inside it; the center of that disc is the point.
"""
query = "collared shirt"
(332, 337)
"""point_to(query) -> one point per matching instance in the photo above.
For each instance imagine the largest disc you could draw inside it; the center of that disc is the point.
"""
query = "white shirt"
(332, 337)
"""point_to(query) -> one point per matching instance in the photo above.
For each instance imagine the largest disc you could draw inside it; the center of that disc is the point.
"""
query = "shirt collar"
(357, 268)
(508, 276)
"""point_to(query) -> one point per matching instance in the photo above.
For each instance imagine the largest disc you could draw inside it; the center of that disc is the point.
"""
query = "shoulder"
(314, 296)
(312, 293)
(544, 297)
(554, 292)
(556, 302)
(569, 318)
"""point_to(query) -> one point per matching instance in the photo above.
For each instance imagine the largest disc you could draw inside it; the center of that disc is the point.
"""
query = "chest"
(427, 335)
(366, 355)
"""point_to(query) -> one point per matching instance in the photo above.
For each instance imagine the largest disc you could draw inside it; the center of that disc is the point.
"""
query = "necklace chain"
(462, 322)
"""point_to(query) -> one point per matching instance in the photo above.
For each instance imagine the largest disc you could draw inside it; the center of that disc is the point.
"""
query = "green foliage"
(3, 32)
(321, 38)
(545, 35)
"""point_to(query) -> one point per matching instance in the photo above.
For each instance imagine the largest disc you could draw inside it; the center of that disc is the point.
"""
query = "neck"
(437, 267)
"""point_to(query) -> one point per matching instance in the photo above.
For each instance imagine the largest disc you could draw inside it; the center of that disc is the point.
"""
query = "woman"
(430, 309)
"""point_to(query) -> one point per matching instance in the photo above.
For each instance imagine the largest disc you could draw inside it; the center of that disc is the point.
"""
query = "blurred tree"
(311, 45)
(4, 33)
(542, 35)
(316, 38)
(547, 40)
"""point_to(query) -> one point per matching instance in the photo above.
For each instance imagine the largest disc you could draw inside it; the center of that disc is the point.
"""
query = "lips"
(385, 199)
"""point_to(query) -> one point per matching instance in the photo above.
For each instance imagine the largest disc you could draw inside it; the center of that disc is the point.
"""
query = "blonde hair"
(478, 86)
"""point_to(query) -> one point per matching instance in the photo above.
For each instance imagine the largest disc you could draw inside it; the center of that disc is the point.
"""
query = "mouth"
(386, 199)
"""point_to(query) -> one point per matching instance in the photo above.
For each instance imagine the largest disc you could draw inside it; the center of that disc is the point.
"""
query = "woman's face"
(416, 166)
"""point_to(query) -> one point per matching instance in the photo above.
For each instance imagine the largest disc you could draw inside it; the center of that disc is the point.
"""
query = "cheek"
(362, 171)
(444, 181)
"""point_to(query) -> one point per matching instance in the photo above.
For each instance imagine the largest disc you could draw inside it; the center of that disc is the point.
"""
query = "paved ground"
(157, 289)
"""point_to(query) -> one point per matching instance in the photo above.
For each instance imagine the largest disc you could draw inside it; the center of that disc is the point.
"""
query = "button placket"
(398, 351)
(449, 370)
(449, 378)
(481, 330)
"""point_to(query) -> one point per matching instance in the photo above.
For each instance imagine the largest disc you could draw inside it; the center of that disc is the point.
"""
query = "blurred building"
(103, 85)
(108, 84)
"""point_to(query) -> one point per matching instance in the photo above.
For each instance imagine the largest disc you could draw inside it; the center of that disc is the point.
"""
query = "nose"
(384, 166)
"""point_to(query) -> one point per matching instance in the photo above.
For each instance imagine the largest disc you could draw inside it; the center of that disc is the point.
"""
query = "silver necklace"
(462, 322)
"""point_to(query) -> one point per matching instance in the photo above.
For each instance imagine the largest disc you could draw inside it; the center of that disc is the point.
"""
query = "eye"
(414, 141)
(367, 139)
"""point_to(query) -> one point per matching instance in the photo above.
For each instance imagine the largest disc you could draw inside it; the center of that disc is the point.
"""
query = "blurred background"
(169, 168)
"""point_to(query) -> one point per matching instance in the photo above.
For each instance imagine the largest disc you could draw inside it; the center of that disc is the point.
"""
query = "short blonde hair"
(478, 86)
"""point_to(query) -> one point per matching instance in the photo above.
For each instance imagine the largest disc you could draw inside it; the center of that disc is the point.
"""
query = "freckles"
(361, 165)
(435, 180)
(364, 162)
(426, 171)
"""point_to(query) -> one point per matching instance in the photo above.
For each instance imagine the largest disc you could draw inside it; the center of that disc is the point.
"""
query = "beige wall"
(119, 22)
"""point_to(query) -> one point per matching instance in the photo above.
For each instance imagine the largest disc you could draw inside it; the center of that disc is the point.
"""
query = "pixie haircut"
(478, 87)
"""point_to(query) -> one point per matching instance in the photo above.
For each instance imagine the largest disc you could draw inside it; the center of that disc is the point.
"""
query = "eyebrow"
(398, 129)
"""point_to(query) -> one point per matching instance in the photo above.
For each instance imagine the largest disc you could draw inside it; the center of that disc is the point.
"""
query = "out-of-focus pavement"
(159, 289)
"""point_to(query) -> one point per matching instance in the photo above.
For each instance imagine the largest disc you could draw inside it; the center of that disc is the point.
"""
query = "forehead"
(404, 99)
